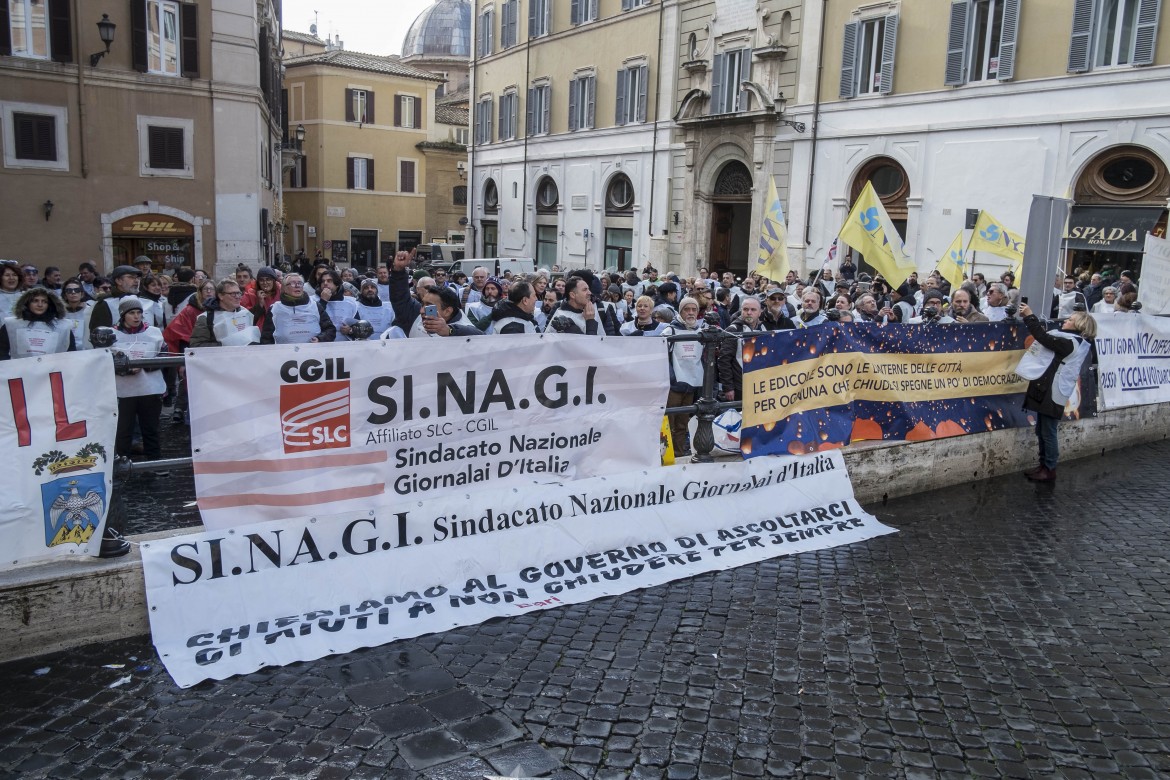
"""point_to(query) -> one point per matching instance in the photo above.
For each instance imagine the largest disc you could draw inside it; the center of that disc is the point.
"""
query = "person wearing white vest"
(1053, 364)
(140, 389)
(226, 324)
(37, 327)
(10, 291)
(126, 279)
(296, 318)
(77, 312)
(341, 310)
(517, 314)
(438, 313)
(372, 309)
(686, 372)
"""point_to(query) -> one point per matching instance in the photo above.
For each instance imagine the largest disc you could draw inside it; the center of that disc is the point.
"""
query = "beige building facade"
(953, 107)
(356, 191)
(166, 146)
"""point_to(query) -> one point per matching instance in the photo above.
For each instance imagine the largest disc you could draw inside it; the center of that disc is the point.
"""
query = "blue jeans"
(1049, 446)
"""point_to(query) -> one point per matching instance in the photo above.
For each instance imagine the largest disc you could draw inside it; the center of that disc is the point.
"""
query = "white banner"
(58, 416)
(270, 594)
(280, 431)
(1154, 292)
(1133, 359)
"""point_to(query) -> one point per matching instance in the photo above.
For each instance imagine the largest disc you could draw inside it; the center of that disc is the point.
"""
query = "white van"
(496, 266)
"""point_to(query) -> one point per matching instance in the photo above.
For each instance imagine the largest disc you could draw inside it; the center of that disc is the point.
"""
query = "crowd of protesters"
(158, 313)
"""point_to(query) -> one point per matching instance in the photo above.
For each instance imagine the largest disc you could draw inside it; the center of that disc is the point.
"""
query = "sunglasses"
(72, 290)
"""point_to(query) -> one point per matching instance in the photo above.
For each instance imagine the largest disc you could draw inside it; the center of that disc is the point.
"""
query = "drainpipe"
(654, 142)
(816, 126)
(471, 185)
(81, 114)
(527, 132)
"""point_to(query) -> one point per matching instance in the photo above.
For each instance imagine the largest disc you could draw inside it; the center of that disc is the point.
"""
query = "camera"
(833, 315)
(929, 312)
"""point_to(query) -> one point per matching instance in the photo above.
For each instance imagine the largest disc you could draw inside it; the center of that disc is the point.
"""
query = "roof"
(372, 63)
(443, 29)
(301, 37)
(452, 115)
(457, 96)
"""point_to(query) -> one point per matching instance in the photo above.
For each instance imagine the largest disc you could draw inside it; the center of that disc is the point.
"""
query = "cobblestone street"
(1009, 630)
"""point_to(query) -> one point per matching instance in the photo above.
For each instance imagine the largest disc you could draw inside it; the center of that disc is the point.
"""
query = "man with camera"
(436, 313)
(932, 309)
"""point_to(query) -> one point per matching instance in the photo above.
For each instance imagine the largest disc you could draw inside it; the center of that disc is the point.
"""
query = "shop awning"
(1111, 228)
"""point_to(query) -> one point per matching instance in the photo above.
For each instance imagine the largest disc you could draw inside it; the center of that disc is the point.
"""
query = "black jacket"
(1038, 396)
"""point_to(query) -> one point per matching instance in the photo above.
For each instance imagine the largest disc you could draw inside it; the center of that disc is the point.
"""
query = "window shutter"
(745, 74)
(60, 31)
(503, 117)
(591, 88)
(265, 71)
(36, 136)
(489, 36)
(417, 112)
(546, 124)
(479, 37)
(407, 176)
(1146, 35)
(957, 43)
(369, 108)
(529, 128)
(487, 114)
(398, 110)
(165, 147)
(1080, 44)
(5, 31)
(575, 12)
(623, 80)
(849, 60)
(303, 171)
(592, 9)
(574, 89)
(717, 83)
(533, 29)
(349, 178)
(889, 48)
(627, 4)
(1007, 40)
(370, 173)
(137, 35)
(189, 39)
(643, 84)
(514, 22)
(349, 105)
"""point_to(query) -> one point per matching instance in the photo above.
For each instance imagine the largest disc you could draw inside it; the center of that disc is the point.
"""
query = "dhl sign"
(152, 226)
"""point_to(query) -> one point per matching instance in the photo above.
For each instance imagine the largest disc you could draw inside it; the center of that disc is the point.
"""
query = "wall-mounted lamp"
(48, 207)
(780, 101)
(676, 219)
(461, 169)
(106, 31)
(300, 136)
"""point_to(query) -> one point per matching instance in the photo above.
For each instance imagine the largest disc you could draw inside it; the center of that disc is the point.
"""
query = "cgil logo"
(314, 415)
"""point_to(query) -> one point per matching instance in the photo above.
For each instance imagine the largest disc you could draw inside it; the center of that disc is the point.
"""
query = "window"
(359, 106)
(539, 17)
(164, 37)
(548, 197)
(546, 245)
(510, 24)
(483, 121)
(407, 111)
(730, 69)
(981, 44)
(581, 98)
(619, 197)
(38, 29)
(298, 177)
(491, 241)
(459, 195)
(165, 147)
(1113, 33)
(462, 135)
(359, 173)
(34, 136)
(509, 111)
(867, 56)
(581, 11)
(483, 34)
(630, 4)
(406, 169)
(537, 110)
(619, 245)
(631, 95)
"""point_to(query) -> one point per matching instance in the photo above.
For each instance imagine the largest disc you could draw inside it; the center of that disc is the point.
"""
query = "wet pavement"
(1009, 630)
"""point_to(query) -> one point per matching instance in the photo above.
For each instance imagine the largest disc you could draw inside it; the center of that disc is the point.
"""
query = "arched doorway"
(892, 186)
(548, 208)
(731, 216)
(490, 225)
(1120, 196)
(619, 224)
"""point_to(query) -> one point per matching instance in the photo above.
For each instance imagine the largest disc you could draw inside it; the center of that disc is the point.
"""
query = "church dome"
(443, 30)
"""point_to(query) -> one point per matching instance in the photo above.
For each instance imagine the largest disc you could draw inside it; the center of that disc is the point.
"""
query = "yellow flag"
(953, 264)
(868, 229)
(772, 257)
(991, 236)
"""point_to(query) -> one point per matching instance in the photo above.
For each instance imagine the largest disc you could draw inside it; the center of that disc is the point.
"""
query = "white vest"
(341, 311)
(686, 358)
(496, 327)
(1038, 358)
(234, 329)
(418, 331)
(7, 302)
(295, 324)
(631, 328)
(578, 319)
(380, 317)
(78, 321)
(146, 344)
(29, 339)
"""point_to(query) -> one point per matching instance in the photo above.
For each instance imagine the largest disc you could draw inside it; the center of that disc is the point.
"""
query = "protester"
(139, 389)
(576, 313)
(437, 314)
(10, 292)
(1108, 302)
(340, 308)
(643, 323)
(730, 356)
(1053, 364)
(962, 310)
(37, 326)
(686, 373)
(227, 324)
(811, 303)
(105, 311)
(77, 311)
(517, 313)
(260, 294)
(372, 309)
(296, 318)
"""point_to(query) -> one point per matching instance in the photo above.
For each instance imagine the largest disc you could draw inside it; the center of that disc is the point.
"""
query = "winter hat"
(933, 295)
(129, 303)
(497, 283)
(667, 287)
(266, 272)
(370, 283)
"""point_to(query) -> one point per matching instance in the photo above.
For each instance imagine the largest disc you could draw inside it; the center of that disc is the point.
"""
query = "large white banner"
(1133, 359)
(225, 603)
(1154, 292)
(58, 415)
(279, 431)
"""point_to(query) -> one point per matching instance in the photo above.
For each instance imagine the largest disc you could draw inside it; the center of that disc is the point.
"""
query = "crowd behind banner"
(140, 312)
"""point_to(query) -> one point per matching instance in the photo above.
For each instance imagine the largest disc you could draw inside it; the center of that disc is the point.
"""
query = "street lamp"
(106, 31)
(780, 101)
(300, 132)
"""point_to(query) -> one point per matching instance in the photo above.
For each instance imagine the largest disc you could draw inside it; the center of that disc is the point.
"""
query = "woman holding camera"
(1053, 364)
